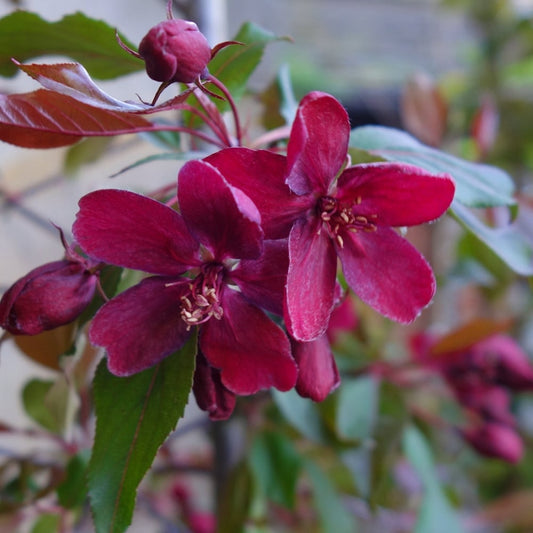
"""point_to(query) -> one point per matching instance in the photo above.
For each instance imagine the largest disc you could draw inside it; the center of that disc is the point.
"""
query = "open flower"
(217, 240)
(330, 210)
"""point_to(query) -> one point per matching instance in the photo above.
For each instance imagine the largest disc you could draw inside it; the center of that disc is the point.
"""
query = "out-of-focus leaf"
(85, 152)
(464, 337)
(46, 347)
(276, 465)
(33, 395)
(134, 415)
(302, 414)
(508, 242)
(514, 510)
(73, 490)
(236, 63)
(476, 185)
(235, 503)
(357, 408)
(46, 523)
(435, 514)
(24, 35)
(332, 513)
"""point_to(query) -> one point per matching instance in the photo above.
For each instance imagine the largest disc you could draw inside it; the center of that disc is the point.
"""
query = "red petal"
(133, 231)
(210, 393)
(220, 216)
(262, 281)
(310, 280)
(141, 326)
(261, 175)
(399, 194)
(251, 351)
(318, 144)
(317, 371)
(387, 273)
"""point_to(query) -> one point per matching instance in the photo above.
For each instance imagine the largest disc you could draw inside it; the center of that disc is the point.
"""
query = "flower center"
(202, 301)
(340, 218)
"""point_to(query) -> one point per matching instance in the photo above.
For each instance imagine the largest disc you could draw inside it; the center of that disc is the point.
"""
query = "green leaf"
(302, 414)
(333, 515)
(436, 514)
(357, 408)
(25, 35)
(234, 64)
(476, 185)
(73, 490)
(46, 523)
(134, 415)
(47, 403)
(84, 153)
(508, 242)
(276, 465)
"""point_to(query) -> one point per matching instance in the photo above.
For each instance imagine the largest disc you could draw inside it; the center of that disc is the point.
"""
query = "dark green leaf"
(73, 490)
(276, 465)
(333, 515)
(25, 35)
(134, 415)
(476, 185)
(235, 64)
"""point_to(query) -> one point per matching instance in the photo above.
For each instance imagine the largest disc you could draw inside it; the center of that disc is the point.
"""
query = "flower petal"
(318, 144)
(310, 280)
(134, 231)
(261, 176)
(220, 216)
(387, 273)
(399, 194)
(141, 326)
(251, 351)
(317, 372)
(48, 296)
(262, 281)
(210, 393)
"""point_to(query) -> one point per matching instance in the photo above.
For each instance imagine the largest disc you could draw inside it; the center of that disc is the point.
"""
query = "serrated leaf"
(276, 465)
(134, 416)
(25, 35)
(476, 185)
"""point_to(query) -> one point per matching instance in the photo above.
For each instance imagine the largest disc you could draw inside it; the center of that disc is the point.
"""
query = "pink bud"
(496, 440)
(47, 297)
(175, 50)
(489, 401)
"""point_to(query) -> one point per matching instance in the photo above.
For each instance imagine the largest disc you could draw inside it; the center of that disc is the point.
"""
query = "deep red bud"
(47, 297)
(496, 440)
(210, 393)
(175, 50)
(489, 401)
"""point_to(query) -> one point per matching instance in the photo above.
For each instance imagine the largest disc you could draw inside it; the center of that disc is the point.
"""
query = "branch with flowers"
(267, 280)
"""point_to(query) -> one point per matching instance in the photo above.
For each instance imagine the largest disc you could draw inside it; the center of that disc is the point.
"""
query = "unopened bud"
(496, 440)
(175, 50)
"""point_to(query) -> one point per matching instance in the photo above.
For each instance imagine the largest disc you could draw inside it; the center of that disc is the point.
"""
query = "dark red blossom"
(496, 440)
(231, 274)
(49, 296)
(175, 50)
(330, 210)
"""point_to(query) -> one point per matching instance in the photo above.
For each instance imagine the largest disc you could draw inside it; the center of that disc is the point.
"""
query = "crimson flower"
(217, 241)
(330, 210)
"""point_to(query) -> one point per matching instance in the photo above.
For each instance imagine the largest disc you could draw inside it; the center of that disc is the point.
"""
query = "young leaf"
(235, 64)
(134, 415)
(33, 396)
(25, 35)
(476, 185)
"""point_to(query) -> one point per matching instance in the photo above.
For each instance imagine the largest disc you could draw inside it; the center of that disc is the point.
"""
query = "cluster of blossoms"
(482, 377)
(246, 253)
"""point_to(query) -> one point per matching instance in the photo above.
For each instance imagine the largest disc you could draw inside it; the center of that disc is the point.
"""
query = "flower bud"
(47, 297)
(496, 440)
(175, 50)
